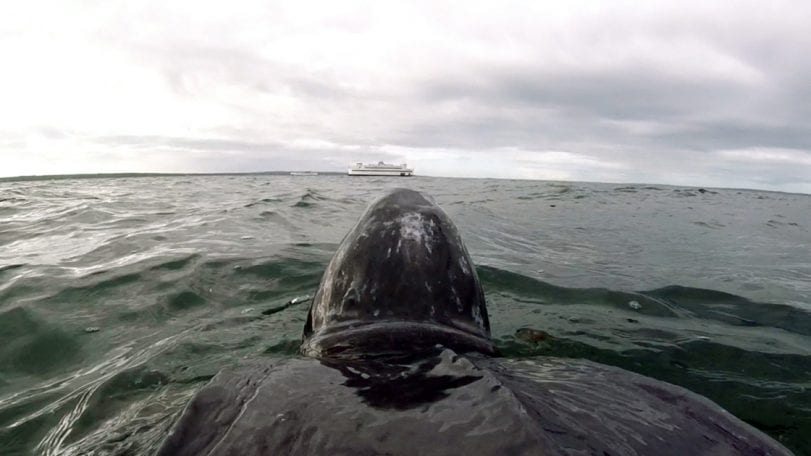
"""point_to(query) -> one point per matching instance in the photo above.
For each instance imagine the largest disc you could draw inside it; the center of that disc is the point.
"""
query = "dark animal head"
(400, 281)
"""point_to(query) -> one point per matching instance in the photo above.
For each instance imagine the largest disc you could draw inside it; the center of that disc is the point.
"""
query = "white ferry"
(380, 169)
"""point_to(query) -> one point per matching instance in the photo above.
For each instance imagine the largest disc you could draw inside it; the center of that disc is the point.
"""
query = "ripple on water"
(309, 199)
(30, 346)
(178, 293)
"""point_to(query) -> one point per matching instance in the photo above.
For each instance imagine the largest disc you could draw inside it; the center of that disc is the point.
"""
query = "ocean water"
(121, 297)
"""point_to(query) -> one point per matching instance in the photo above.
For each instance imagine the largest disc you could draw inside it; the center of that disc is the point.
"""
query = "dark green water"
(119, 298)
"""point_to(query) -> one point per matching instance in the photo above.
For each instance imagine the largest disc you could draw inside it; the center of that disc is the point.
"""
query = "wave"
(133, 292)
(750, 357)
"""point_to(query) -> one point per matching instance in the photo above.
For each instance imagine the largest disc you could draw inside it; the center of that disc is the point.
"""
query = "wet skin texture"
(399, 361)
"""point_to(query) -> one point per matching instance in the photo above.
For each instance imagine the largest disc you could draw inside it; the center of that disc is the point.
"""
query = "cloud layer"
(663, 92)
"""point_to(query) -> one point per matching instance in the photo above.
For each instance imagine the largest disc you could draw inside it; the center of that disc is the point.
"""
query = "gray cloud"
(205, 154)
(693, 94)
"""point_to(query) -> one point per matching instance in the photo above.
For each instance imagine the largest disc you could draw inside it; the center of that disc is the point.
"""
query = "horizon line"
(40, 177)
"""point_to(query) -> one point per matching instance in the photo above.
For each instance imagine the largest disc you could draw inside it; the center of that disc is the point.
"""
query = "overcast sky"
(688, 93)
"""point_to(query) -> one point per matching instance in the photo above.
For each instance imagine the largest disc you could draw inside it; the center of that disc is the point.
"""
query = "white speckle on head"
(388, 253)
(477, 316)
(463, 264)
(413, 228)
(376, 312)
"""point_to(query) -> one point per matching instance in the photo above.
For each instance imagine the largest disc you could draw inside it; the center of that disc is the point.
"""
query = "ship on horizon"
(380, 169)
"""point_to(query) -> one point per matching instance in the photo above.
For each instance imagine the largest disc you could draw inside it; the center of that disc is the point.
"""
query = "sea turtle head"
(401, 281)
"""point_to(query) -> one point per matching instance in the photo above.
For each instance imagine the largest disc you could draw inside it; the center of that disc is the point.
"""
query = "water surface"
(119, 298)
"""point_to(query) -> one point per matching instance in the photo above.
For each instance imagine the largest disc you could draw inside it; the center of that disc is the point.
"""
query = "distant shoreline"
(336, 173)
(124, 175)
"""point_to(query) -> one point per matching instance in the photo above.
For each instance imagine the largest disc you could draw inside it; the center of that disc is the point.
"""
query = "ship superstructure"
(380, 169)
